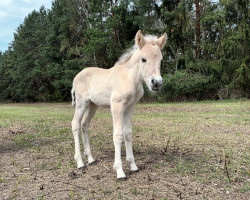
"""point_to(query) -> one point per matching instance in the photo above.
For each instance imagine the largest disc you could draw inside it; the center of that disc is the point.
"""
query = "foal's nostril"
(156, 83)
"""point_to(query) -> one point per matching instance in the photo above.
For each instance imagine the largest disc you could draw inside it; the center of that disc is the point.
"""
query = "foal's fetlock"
(134, 168)
(121, 175)
(80, 164)
(93, 162)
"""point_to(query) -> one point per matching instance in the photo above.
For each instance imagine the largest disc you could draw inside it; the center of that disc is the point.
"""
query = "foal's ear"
(162, 41)
(139, 39)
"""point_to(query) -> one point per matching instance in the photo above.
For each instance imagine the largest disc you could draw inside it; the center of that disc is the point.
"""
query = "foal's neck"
(134, 69)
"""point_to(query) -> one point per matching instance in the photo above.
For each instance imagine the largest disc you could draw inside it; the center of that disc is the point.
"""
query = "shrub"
(183, 86)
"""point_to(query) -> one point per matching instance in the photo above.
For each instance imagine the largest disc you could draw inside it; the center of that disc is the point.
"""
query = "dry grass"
(183, 150)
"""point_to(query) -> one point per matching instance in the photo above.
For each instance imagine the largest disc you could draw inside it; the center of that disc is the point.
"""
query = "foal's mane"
(129, 52)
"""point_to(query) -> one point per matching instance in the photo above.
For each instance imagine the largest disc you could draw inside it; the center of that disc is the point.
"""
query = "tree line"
(207, 55)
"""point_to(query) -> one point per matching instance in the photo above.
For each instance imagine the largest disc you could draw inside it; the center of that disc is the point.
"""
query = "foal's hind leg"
(85, 126)
(127, 133)
(80, 108)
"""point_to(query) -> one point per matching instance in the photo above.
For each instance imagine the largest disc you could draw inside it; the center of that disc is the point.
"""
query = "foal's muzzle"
(156, 83)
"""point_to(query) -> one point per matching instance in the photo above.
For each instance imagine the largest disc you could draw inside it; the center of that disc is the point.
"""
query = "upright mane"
(129, 52)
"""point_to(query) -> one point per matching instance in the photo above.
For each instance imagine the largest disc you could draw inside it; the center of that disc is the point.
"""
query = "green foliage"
(184, 86)
(51, 46)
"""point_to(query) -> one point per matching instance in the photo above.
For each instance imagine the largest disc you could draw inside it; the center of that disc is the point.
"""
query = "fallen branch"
(225, 167)
(165, 150)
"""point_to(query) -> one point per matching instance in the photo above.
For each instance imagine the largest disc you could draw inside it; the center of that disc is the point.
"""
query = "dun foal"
(119, 87)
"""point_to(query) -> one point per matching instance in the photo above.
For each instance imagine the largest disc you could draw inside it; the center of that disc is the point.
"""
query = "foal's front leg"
(117, 114)
(127, 132)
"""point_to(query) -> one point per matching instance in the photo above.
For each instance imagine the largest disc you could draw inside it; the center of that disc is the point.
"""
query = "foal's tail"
(73, 97)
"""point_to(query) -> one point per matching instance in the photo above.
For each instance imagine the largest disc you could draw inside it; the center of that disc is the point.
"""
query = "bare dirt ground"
(183, 151)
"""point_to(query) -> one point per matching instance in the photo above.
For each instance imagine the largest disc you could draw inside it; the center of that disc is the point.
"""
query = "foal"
(119, 87)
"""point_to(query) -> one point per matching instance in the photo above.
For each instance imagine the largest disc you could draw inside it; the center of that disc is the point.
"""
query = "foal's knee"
(84, 128)
(117, 138)
(128, 136)
(75, 126)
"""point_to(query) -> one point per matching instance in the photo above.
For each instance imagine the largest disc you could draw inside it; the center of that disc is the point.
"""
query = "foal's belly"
(100, 98)
(100, 93)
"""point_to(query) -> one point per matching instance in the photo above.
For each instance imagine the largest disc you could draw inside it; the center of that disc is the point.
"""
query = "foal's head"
(150, 59)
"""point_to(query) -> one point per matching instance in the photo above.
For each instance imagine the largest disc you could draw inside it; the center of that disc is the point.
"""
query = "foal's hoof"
(134, 171)
(82, 168)
(93, 163)
(122, 178)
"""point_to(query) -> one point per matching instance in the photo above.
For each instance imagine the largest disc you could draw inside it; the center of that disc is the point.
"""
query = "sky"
(12, 14)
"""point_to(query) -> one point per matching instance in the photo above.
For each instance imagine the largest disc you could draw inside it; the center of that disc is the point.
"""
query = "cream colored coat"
(119, 87)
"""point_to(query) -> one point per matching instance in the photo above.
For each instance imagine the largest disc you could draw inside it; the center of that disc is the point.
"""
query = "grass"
(193, 150)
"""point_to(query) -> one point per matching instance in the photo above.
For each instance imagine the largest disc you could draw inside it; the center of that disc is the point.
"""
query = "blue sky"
(12, 14)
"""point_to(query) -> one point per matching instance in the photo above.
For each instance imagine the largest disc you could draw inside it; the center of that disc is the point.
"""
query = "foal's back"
(101, 85)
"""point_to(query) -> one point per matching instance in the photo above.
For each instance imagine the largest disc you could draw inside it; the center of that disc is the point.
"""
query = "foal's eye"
(143, 60)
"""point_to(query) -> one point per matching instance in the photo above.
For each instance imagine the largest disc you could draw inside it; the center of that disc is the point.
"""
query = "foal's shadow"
(148, 157)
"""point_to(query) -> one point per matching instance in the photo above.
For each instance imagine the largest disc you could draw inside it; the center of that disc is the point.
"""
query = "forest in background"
(207, 55)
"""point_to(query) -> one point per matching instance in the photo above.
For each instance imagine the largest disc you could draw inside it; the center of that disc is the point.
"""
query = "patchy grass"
(198, 150)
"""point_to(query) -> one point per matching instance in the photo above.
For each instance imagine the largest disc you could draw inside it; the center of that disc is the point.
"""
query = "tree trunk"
(198, 31)
(112, 8)
(115, 30)
(205, 40)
